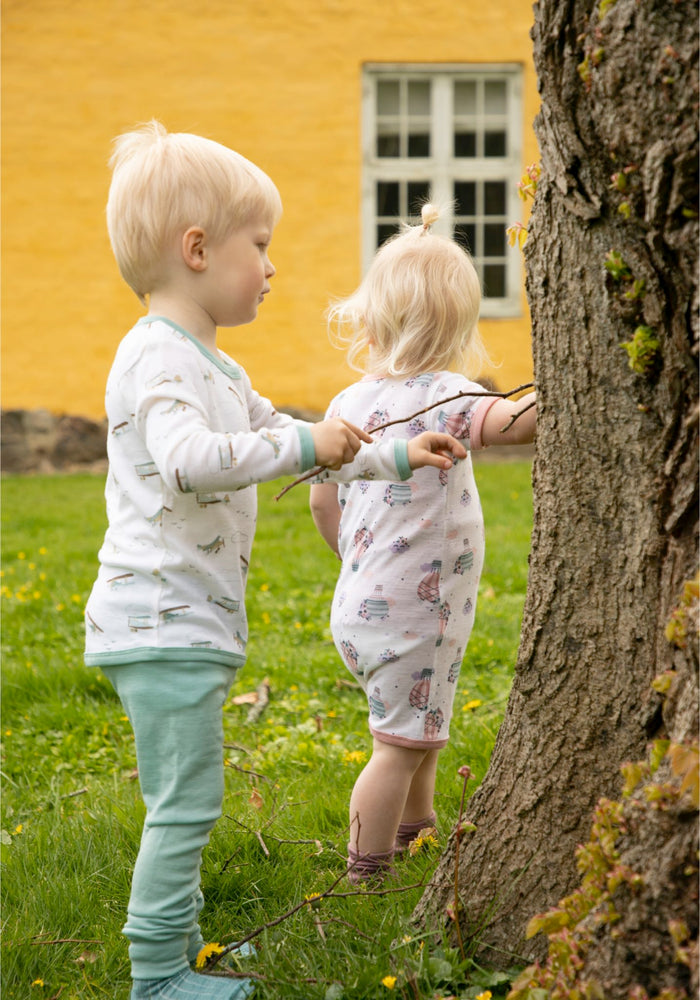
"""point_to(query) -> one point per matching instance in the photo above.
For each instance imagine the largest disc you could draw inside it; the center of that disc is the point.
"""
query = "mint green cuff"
(308, 452)
(187, 654)
(401, 458)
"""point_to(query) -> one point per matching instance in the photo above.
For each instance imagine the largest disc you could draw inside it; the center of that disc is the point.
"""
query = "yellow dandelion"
(298, 625)
(389, 982)
(21, 555)
(205, 953)
(43, 550)
(486, 995)
(474, 703)
(354, 757)
(76, 598)
(38, 982)
(266, 617)
(19, 828)
(32, 565)
(265, 586)
(60, 606)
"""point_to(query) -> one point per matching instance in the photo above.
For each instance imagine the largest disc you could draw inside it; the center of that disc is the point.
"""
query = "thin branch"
(72, 795)
(263, 699)
(326, 894)
(69, 941)
(312, 473)
(516, 415)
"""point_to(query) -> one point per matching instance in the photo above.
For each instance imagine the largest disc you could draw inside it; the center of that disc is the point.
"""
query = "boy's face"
(238, 274)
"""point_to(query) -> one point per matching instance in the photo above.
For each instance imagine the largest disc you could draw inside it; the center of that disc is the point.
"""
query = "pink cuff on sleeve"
(479, 415)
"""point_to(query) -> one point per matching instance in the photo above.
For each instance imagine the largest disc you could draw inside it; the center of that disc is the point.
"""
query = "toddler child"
(190, 222)
(411, 552)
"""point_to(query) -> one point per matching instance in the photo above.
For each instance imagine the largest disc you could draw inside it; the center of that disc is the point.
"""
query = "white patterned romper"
(412, 555)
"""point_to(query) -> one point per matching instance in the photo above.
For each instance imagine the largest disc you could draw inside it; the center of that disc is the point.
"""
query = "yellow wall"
(278, 81)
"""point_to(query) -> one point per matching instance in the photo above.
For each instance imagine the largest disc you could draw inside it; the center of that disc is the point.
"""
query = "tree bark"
(615, 472)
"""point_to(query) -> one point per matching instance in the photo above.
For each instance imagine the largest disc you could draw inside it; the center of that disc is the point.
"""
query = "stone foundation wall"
(42, 442)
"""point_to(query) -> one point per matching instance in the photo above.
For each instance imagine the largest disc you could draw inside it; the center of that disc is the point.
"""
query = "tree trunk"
(615, 472)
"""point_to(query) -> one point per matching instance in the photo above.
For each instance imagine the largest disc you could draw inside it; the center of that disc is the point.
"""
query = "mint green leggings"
(175, 710)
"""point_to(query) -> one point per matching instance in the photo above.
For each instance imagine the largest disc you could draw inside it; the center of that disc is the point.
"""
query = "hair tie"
(429, 214)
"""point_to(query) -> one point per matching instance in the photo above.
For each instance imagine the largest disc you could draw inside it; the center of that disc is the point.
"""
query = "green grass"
(71, 810)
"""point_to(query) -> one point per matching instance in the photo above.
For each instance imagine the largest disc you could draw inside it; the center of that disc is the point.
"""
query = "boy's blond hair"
(417, 307)
(163, 183)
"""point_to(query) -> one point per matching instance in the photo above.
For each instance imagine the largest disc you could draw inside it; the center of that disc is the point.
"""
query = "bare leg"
(380, 796)
(419, 801)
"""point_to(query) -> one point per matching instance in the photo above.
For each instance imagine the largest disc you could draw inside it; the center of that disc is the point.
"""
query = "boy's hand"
(336, 442)
(432, 448)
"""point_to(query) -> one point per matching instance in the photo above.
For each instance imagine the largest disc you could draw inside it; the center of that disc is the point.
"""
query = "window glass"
(388, 198)
(494, 144)
(494, 281)
(388, 143)
(388, 97)
(465, 197)
(465, 97)
(494, 198)
(494, 239)
(419, 143)
(495, 97)
(418, 97)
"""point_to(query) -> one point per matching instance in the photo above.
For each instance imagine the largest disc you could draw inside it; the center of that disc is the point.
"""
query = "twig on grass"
(69, 941)
(72, 795)
(312, 473)
(262, 701)
(316, 897)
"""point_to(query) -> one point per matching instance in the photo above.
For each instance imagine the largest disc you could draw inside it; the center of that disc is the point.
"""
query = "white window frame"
(442, 167)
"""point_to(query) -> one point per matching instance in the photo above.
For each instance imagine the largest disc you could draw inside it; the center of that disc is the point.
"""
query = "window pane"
(495, 281)
(494, 198)
(495, 97)
(465, 97)
(417, 194)
(384, 231)
(387, 142)
(418, 97)
(388, 198)
(388, 97)
(494, 144)
(465, 235)
(465, 143)
(494, 240)
(465, 196)
(419, 144)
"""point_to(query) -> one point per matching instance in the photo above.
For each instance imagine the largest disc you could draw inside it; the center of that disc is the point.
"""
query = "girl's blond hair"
(416, 308)
(163, 183)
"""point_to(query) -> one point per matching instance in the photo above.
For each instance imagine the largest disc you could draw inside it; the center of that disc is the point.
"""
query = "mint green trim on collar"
(308, 451)
(401, 458)
(179, 654)
(231, 370)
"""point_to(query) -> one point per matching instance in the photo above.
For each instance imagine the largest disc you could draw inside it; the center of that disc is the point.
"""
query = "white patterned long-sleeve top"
(188, 440)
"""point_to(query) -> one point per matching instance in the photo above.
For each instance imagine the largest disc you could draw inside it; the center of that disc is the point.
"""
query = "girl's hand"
(336, 442)
(432, 448)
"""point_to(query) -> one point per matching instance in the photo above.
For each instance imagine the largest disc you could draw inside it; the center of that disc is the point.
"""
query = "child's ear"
(194, 248)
